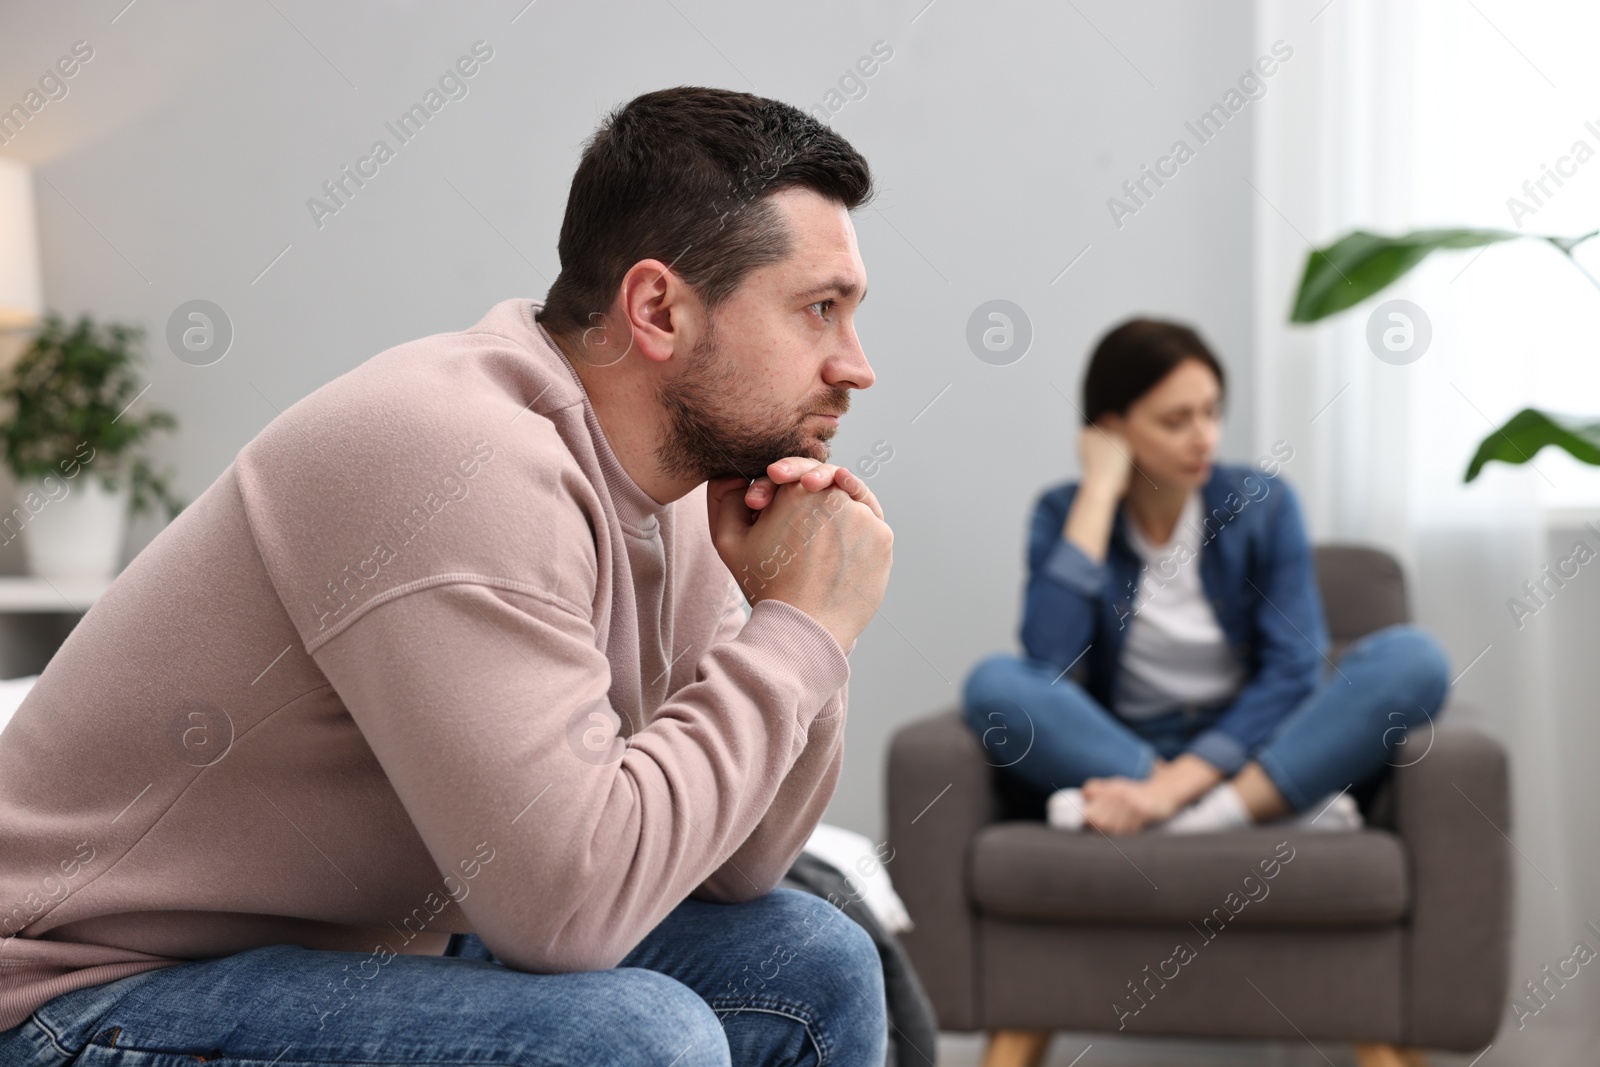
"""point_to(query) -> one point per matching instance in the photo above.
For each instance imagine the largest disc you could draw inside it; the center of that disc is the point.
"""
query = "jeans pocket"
(70, 1020)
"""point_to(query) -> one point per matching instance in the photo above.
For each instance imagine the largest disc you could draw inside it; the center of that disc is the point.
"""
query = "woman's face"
(1174, 428)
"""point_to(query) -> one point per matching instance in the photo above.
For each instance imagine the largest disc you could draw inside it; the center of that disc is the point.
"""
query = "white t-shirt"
(1175, 652)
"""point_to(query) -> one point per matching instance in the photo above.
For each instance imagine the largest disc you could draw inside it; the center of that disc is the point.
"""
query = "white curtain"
(1403, 115)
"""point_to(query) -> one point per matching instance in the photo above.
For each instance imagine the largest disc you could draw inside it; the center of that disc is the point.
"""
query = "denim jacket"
(1256, 570)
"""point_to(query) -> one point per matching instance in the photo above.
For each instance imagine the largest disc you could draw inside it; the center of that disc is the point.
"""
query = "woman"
(1184, 591)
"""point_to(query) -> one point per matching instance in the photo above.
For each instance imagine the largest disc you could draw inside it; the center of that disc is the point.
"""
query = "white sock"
(1064, 809)
(1219, 809)
(1336, 811)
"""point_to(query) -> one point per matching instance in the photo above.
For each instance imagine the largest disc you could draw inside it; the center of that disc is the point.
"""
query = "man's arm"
(771, 849)
(486, 707)
(766, 856)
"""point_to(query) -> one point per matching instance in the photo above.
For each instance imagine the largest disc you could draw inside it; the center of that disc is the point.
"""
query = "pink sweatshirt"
(363, 693)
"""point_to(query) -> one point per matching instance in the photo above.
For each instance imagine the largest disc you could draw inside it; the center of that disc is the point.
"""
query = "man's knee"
(822, 940)
(667, 1023)
(842, 946)
(827, 967)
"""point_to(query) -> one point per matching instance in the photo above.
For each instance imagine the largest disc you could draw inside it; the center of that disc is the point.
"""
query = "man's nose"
(850, 367)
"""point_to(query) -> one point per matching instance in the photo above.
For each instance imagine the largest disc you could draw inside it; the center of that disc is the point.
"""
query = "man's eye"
(827, 305)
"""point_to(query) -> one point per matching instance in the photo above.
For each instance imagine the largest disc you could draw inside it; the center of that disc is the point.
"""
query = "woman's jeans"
(786, 978)
(1051, 734)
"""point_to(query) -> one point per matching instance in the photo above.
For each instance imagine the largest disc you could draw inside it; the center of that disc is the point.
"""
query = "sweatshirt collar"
(635, 507)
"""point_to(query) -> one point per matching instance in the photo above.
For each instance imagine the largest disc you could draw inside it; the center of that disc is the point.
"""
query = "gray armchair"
(1394, 936)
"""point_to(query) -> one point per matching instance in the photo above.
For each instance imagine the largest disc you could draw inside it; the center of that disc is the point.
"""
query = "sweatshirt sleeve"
(486, 707)
(771, 849)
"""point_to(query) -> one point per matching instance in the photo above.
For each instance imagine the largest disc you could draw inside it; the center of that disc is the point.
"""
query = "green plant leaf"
(1529, 430)
(1360, 264)
(65, 409)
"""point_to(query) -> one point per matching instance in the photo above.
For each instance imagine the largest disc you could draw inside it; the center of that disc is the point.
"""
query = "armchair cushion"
(1032, 872)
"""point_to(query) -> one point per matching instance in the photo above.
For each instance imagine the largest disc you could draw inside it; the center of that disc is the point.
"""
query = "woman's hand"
(1124, 805)
(1128, 805)
(1107, 460)
(1107, 470)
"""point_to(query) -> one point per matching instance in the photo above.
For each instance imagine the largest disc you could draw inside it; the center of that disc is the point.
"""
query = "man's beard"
(713, 431)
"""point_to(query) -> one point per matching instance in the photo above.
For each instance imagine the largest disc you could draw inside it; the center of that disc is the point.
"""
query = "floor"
(1552, 1047)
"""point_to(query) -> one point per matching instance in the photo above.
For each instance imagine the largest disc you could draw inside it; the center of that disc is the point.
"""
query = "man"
(455, 647)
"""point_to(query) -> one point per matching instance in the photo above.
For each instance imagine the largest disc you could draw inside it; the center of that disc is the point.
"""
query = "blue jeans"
(1052, 734)
(786, 978)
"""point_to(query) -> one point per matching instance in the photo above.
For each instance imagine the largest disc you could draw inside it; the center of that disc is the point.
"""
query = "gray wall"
(179, 164)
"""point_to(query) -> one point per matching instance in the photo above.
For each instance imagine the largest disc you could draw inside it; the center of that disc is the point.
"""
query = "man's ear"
(659, 310)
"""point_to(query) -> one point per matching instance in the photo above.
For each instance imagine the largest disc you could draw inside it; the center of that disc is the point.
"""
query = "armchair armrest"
(941, 793)
(1453, 810)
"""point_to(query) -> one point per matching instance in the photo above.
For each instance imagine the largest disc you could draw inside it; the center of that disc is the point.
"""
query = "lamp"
(19, 249)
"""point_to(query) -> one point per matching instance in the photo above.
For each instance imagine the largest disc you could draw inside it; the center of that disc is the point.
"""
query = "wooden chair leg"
(1390, 1056)
(1016, 1048)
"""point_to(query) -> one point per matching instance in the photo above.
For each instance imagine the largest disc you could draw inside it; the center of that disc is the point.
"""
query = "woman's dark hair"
(682, 175)
(1132, 358)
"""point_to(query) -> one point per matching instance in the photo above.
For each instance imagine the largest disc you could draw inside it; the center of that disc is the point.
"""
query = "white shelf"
(29, 594)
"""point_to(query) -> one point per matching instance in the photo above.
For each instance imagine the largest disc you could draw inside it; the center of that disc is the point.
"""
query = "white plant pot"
(71, 528)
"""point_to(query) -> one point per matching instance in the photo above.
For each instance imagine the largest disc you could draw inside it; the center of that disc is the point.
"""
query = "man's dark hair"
(682, 175)
(1132, 358)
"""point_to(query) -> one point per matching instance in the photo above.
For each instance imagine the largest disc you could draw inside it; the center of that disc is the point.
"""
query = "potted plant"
(1360, 264)
(76, 450)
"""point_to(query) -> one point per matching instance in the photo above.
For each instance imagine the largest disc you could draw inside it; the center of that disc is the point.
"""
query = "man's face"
(772, 374)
